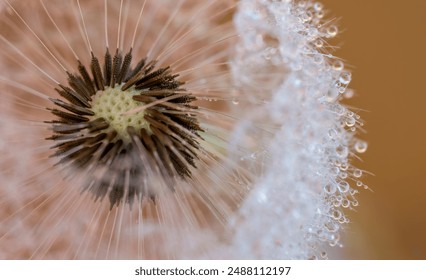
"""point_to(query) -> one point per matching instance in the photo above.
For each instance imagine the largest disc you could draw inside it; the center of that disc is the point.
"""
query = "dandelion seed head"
(260, 161)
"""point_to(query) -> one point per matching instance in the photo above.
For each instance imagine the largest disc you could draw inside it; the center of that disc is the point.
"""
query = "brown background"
(385, 41)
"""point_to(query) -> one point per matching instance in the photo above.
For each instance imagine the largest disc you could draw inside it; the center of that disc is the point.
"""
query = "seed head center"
(111, 103)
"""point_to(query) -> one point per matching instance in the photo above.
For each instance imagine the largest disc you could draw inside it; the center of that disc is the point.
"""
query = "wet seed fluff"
(127, 121)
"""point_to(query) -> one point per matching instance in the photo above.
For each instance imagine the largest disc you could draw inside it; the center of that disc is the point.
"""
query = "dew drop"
(332, 226)
(324, 255)
(333, 243)
(332, 133)
(342, 151)
(320, 14)
(336, 214)
(361, 146)
(349, 93)
(338, 65)
(305, 17)
(359, 183)
(339, 109)
(344, 166)
(345, 78)
(335, 170)
(319, 43)
(350, 122)
(330, 188)
(343, 175)
(332, 31)
(345, 203)
(318, 6)
(235, 101)
(343, 186)
(357, 173)
(336, 204)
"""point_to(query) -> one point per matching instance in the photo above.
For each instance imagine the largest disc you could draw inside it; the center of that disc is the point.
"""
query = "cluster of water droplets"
(299, 202)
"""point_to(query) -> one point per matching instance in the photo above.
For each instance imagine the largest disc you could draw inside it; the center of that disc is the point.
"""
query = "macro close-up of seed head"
(173, 130)
(97, 128)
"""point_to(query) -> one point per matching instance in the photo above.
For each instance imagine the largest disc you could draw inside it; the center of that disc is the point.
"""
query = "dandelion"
(173, 129)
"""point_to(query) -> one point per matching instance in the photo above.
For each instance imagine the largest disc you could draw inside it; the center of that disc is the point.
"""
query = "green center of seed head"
(112, 103)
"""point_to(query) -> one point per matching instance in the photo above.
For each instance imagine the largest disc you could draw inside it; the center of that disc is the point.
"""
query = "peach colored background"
(385, 40)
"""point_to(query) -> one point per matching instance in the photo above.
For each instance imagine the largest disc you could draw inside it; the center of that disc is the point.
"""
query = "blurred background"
(385, 41)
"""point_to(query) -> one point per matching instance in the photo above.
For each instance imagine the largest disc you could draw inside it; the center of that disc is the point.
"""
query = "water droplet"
(343, 220)
(318, 6)
(319, 43)
(345, 203)
(338, 65)
(343, 186)
(342, 151)
(320, 14)
(330, 188)
(350, 122)
(332, 133)
(349, 93)
(324, 255)
(336, 214)
(343, 175)
(344, 166)
(361, 146)
(335, 170)
(235, 101)
(359, 183)
(332, 31)
(357, 173)
(332, 94)
(331, 226)
(345, 78)
(305, 17)
(353, 192)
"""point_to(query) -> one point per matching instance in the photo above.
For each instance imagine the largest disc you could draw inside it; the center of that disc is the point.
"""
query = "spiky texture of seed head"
(96, 128)
(244, 154)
